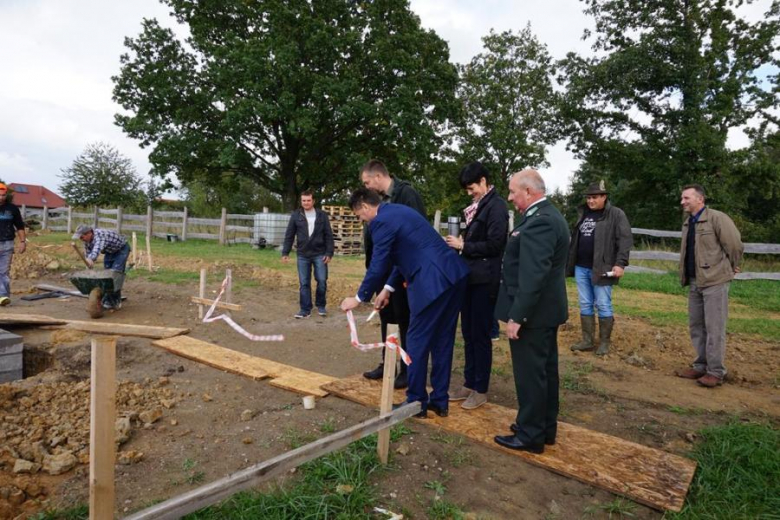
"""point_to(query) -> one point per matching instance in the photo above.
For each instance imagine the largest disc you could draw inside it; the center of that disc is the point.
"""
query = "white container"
(309, 402)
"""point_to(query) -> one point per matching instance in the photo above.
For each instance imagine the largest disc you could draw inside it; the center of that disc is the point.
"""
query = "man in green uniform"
(532, 302)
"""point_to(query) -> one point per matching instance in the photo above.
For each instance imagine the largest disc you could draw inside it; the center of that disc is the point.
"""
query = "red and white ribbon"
(208, 319)
(392, 341)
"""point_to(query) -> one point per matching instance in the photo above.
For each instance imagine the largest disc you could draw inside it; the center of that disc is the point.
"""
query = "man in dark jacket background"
(482, 247)
(598, 254)
(375, 176)
(311, 228)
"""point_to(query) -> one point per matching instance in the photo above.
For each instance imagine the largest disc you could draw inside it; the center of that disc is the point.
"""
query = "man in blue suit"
(406, 246)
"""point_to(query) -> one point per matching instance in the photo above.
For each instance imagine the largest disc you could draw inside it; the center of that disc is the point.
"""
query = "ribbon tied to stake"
(208, 319)
(392, 341)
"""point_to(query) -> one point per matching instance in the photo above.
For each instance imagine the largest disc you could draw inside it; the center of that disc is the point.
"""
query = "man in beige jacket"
(710, 256)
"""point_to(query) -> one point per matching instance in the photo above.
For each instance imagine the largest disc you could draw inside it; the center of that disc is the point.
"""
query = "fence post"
(184, 225)
(265, 209)
(45, 219)
(95, 211)
(511, 221)
(119, 219)
(437, 221)
(223, 227)
(70, 220)
(24, 211)
(149, 218)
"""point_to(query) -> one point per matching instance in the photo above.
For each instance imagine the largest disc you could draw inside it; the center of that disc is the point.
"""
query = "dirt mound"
(44, 430)
(33, 263)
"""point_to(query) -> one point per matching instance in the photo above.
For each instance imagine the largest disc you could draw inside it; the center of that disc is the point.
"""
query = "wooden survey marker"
(102, 415)
(386, 399)
(646, 475)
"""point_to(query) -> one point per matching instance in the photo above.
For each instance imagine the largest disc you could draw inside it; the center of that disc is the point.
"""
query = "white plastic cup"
(309, 402)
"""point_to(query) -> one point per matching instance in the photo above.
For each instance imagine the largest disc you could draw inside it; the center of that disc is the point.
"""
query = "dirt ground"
(202, 436)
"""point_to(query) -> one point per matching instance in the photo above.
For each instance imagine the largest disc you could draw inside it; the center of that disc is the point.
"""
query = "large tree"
(653, 109)
(509, 104)
(101, 176)
(292, 95)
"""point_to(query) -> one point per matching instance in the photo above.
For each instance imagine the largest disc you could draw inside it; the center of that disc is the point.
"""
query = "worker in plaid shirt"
(115, 250)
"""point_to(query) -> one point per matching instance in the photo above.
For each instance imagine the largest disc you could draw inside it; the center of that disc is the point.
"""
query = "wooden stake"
(437, 221)
(70, 220)
(229, 289)
(102, 409)
(386, 401)
(202, 292)
(149, 252)
(135, 249)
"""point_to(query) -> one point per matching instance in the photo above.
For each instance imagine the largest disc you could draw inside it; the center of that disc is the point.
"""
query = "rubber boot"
(588, 328)
(605, 331)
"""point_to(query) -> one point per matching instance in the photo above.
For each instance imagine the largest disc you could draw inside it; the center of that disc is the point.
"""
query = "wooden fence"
(229, 229)
(750, 248)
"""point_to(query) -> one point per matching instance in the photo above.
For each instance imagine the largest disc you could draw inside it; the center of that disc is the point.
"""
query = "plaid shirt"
(104, 241)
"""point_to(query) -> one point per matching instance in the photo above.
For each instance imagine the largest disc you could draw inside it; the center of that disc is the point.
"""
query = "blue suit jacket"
(407, 243)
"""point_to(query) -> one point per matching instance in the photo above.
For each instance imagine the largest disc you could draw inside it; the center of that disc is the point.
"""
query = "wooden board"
(646, 475)
(213, 356)
(28, 319)
(282, 376)
(123, 329)
(220, 305)
(303, 382)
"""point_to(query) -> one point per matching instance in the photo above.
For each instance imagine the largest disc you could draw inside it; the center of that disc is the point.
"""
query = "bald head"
(525, 188)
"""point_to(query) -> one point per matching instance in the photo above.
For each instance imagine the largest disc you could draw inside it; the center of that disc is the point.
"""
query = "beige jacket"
(718, 248)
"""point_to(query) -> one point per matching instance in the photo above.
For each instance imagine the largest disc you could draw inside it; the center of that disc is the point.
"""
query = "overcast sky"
(57, 58)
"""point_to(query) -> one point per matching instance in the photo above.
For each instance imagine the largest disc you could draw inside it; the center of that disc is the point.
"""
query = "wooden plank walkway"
(646, 475)
(283, 376)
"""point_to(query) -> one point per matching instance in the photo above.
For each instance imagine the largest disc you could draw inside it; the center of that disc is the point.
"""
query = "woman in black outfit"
(482, 247)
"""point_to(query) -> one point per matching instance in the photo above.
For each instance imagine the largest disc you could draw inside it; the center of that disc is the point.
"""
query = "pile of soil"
(44, 430)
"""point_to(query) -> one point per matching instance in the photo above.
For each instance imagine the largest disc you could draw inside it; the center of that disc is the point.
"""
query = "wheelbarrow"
(96, 283)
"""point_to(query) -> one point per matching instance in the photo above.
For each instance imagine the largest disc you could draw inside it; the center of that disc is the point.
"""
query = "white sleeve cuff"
(390, 288)
(358, 298)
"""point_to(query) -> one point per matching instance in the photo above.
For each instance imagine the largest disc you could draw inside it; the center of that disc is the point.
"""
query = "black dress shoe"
(513, 443)
(422, 414)
(377, 373)
(400, 381)
(441, 412)
(550, 441)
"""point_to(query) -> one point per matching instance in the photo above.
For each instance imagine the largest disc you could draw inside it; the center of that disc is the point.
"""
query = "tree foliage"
(509, 106)
(291, 95)
(101, 176)
(653, 110)
(235, 193)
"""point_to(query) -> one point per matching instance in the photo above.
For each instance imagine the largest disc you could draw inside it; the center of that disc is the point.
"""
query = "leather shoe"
(547, 440)
(400, 381)
(422, 414)
(441, 412)
(513, 443)
(690, 373)
(377, 373)
(710, 381)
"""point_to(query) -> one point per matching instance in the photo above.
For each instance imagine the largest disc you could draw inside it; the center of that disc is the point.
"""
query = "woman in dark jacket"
(482, 247)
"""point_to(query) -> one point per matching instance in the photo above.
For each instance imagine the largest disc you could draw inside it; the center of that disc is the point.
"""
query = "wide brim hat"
(597, 188)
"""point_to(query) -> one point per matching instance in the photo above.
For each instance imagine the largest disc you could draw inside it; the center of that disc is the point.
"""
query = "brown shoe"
(461, 394)
(710, 381)
(475, 400)
(690, 373)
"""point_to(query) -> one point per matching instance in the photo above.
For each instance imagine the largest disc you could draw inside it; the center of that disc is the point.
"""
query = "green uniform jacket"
(533, 277)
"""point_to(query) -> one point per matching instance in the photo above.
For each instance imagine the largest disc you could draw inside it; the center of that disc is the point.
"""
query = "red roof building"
(34, 196)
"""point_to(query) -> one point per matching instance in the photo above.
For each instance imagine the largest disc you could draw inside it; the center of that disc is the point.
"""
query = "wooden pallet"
(646, 475)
